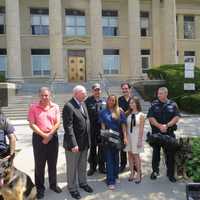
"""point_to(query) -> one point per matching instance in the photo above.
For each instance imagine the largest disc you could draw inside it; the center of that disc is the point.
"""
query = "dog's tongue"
(1, 182)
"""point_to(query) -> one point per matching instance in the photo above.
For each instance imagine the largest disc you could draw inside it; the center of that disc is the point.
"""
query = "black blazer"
(76, 126)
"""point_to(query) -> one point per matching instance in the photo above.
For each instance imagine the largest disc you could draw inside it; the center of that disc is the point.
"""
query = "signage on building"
(189, 86)
(189, 73)
(189, 70)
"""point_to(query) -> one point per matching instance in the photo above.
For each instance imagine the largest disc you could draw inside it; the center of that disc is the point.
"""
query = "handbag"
(112, 138)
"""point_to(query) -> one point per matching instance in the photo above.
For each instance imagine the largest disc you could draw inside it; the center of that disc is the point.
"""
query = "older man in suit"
(76, 141)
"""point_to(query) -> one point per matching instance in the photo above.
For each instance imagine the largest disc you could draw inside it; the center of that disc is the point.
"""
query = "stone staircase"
(19, 104)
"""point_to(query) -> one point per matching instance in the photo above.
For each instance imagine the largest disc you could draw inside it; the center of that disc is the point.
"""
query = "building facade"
(76, 40)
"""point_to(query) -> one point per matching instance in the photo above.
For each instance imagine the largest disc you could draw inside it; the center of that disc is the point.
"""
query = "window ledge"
(189, 40)
(30, 35)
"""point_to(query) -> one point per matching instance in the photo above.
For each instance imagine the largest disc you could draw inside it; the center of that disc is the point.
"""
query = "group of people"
(84, 118)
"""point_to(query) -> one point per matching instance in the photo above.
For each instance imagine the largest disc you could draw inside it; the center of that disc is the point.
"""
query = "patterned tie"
(81, 107)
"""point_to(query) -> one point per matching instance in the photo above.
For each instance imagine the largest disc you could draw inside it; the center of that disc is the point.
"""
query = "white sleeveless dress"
(133, 137)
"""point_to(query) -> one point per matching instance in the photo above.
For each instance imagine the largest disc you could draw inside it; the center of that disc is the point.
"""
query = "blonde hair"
(116, 108)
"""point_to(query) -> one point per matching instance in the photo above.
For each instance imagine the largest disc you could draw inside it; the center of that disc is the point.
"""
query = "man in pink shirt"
(44, 120)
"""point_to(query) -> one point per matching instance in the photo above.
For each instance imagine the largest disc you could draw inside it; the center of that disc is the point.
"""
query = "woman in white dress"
(135, 126)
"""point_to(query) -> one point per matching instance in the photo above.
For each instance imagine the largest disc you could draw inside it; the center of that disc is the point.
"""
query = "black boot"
(91, 171)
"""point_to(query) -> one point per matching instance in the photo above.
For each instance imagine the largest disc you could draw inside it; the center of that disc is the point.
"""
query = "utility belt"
(166, 140)
(111, 138)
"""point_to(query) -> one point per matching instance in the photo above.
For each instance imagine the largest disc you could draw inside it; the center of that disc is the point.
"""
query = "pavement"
(160, 189)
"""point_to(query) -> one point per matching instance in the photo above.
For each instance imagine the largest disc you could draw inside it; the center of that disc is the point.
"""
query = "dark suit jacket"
(76, 126)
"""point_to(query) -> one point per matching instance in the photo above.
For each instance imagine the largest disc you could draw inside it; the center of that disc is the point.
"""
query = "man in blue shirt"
(163, 116)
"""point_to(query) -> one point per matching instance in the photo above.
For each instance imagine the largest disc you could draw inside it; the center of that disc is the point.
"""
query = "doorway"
(76, 63)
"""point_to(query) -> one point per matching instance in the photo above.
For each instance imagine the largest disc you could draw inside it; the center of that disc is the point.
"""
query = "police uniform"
(5, 130)
(94, 107)
(163, 113)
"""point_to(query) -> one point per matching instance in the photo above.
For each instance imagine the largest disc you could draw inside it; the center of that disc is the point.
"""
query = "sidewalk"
(160, 189)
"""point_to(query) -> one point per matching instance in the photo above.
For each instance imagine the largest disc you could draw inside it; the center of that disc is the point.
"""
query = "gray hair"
(44, 89)
(79, 88)
(163, 89)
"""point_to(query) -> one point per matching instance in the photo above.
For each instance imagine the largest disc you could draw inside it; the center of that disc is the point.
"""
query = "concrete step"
(18, 105)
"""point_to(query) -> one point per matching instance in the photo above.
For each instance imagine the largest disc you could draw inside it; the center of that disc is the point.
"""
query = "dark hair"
(137, 103)
(129, 86)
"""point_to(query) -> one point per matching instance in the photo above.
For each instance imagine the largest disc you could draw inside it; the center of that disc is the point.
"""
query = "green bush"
(2, 78)
(174, 77)
(193, 165)
(190, 103)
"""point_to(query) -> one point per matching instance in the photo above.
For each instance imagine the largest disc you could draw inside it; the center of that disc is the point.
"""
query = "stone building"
(76, 40)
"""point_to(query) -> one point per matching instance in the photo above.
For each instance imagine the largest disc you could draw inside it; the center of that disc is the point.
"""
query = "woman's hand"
(139, 144)
(125, 140)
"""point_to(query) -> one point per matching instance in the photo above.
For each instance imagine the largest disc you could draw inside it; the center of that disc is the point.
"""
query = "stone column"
(56, 40)
(156, 53)
(170, 38)
(13, 41)
(134, 38)
(197, 27)
(96, 38)
(180, 26)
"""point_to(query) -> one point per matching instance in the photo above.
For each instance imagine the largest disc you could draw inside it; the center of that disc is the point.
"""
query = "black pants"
(96, 157)
(45, 153)
(123, 157)
(169, 158)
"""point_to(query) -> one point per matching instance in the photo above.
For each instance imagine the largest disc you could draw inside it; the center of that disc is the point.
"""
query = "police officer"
(123, 102)
(163, 116)
(94, 104)
(6, 131)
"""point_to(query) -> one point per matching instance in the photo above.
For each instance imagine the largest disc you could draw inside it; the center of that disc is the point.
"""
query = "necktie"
(132, 122)
(82, 110)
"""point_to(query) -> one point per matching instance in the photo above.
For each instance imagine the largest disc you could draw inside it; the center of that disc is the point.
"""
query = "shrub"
(174, 77)
(2, 78)
(190, 103)
(193, 164)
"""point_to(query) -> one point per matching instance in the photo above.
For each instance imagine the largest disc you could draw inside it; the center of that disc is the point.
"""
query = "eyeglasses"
(97, 89)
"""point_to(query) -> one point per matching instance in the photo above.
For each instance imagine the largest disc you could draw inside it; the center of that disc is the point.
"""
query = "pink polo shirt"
(44, 118)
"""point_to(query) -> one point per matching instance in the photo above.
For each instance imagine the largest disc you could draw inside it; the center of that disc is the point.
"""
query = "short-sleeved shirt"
(110, 122)
(45, 119)
(5, 130)
(163, 112)
(94, 107)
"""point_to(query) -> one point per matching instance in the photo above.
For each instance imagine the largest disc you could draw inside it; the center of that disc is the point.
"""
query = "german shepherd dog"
(14, 184)
(183, 154)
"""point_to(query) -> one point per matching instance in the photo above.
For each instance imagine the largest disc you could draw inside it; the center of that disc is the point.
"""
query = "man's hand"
(75, 149)
(47, 139)
(163, 128)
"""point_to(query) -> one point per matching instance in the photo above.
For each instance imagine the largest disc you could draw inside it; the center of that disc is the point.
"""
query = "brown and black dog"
(15, 184)
(183, 154)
